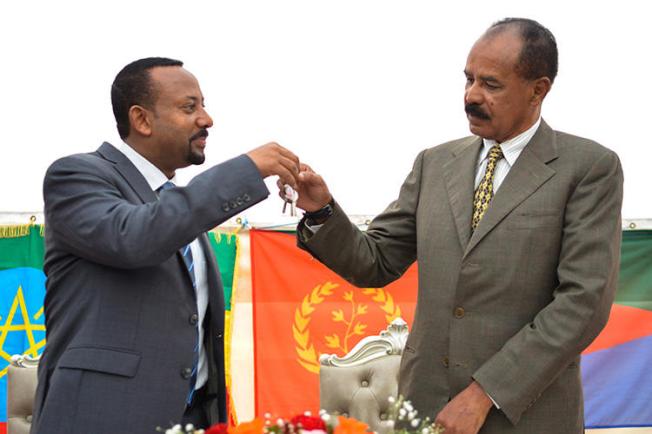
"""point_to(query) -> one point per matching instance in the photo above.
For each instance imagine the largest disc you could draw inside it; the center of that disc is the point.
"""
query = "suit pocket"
(107, 360)
(534, 220)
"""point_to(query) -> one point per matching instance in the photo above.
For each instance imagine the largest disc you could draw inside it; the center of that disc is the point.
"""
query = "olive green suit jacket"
(511, 305)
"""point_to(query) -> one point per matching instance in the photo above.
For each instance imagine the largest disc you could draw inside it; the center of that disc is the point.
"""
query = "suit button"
(239, 200)
(246, 197)
(225, 207)
(194, 319)
(233, 204)
(459, 312)
(444, 361)
(186, 373)
(218, 336)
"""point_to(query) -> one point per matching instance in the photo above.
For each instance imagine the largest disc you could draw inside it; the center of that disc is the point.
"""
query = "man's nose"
(473, 94)
(205, 120)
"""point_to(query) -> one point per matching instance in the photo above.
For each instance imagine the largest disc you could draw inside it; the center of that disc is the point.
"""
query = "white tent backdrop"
(355, 88)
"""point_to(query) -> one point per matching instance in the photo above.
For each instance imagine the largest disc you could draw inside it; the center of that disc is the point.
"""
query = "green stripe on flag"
(635, 285)
(225, 247)
(16, 251)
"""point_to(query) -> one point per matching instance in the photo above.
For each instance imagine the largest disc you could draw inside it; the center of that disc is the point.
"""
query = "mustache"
(203, 133)
(475, 110)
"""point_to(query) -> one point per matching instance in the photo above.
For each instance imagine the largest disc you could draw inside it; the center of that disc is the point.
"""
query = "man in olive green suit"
(516, 231)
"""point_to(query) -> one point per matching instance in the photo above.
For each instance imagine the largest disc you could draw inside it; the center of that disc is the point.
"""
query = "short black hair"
(132, 86)
(539, 56)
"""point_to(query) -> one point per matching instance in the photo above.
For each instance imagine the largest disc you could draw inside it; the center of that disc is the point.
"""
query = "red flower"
(218, 428)
(307, 423)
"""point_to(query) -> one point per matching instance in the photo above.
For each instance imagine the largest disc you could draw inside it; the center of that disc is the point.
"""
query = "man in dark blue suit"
(134, 304)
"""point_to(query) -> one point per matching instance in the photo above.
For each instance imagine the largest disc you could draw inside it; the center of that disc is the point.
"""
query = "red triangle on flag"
(625, 324)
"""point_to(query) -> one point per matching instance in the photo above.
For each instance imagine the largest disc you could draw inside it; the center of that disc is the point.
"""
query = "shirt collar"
(511, 148)
(152, 174)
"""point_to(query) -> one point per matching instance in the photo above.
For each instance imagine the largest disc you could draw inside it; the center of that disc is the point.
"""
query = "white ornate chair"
(359, 384)
(21, 387)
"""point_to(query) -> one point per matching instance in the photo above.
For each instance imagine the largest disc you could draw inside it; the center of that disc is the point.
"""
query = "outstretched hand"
(274, 159)
(312, 190)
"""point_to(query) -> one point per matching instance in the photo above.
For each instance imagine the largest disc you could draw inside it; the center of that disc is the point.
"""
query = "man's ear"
(540, 89)
(140, 120)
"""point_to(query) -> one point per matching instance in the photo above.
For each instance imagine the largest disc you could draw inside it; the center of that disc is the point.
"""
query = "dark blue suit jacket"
(119, 301)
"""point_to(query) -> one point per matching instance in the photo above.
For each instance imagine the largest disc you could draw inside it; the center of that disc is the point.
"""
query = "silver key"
(293, 205)
(291, 199)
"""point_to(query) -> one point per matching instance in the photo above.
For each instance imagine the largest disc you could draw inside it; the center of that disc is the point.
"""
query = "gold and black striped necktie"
(485, 191)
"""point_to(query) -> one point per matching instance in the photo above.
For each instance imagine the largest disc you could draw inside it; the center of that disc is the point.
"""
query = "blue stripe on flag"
(617, 385)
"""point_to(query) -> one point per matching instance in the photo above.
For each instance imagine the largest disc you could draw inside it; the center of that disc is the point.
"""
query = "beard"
(196, 156)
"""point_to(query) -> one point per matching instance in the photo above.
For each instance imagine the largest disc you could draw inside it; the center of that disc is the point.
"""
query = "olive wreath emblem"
(307, 355)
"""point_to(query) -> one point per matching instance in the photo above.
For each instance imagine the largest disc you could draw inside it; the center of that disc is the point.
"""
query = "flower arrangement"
(403, 419)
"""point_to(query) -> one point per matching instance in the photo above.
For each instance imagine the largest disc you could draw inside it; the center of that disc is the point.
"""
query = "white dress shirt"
(155, 178)
(511, 150)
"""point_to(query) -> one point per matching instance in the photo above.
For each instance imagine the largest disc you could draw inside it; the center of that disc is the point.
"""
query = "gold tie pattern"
(485, 191)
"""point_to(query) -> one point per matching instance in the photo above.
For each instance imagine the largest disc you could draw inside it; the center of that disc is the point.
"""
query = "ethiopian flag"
(22, 288)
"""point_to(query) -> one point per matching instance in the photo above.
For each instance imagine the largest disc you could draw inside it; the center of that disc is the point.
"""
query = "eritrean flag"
(616, 367)
(299, 307)
(22, 288)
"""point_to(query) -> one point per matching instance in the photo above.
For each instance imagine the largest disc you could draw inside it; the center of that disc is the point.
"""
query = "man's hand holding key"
(274, 159)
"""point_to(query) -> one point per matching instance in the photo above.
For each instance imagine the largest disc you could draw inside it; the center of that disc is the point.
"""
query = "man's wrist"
(321, 215)
(481, 391)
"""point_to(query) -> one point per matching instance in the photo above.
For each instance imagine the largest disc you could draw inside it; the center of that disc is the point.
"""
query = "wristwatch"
(320, 216)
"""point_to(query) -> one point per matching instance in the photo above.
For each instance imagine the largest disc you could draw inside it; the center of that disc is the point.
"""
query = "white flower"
(391, 400)
(415, 423)
(325, 417)
(426, 430)
(307, 413)
(267, 415)
(402, 412)
(190, 427)
(408, 406)
(412, 414)
(322, 412)
(177, 427)
(280, 422)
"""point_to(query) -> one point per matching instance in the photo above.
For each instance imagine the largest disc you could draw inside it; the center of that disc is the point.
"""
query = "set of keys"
(290, 198)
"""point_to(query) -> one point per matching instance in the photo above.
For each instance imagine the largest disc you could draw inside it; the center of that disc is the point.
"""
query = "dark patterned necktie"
(485, 191)
(186, 253)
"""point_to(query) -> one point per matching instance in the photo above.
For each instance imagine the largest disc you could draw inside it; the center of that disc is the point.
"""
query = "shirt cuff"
(494, 401)
(314, 229)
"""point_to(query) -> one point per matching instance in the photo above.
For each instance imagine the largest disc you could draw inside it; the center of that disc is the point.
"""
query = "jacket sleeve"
(589, 259)
(88, 215)
(381, 254)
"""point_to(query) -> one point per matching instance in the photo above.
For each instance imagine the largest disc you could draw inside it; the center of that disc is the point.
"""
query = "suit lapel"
(529, 172)
(140, 186)
(128, 171)
(459, 174)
